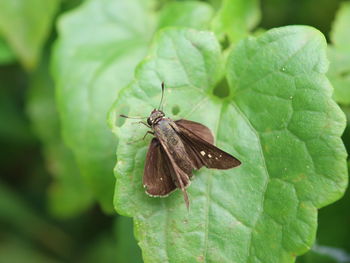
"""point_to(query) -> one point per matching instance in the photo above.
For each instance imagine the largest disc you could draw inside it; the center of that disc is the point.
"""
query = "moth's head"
(155, 116)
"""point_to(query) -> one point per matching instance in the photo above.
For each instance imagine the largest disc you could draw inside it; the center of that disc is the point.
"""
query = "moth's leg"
(148, 132)
(142, 122)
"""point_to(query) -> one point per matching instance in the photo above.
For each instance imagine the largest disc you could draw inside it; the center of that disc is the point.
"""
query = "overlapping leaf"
(68, 194)
(278, 119)
(236, 18)
(89, 68)
(192, 14)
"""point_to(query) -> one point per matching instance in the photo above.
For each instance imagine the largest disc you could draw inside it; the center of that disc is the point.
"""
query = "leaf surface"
(278, 119)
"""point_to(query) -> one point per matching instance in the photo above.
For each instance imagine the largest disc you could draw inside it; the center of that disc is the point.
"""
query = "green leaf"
(236, 18)
(26, 25)
(340, 28)
(215, 3)
(89, 72)
(6, 54)
(278, 119)
(339, 55)
(192, 14)
(68, 194)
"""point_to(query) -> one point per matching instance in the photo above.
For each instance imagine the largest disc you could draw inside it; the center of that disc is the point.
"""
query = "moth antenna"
(160, 107)
(124, 116)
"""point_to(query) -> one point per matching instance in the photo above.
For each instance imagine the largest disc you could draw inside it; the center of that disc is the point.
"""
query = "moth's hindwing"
(157, 178)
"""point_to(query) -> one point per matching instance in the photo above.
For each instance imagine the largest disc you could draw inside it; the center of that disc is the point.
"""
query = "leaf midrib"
(209, 184)
(261, 210)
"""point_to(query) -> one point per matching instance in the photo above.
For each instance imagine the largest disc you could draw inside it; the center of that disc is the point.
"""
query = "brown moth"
(178, 148)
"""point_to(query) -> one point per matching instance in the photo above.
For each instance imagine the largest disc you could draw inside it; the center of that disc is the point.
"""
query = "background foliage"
(63, 64)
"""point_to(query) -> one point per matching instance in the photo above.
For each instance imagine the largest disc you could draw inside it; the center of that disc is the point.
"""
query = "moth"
(177, 148)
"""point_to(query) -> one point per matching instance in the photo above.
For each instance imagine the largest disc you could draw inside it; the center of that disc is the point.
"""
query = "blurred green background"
(42, 221)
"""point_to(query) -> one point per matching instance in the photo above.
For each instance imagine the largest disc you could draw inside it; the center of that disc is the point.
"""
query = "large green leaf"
(26, 25)
(90, 67)
(278, 119)
(68, 194)
(339, 55)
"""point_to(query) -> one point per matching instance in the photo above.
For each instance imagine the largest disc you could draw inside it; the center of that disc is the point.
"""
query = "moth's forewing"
(204, 152)
(198, 129)
(157, 178)
(201, 131)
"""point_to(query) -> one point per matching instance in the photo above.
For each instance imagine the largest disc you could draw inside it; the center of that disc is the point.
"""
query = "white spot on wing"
(209, 155)
(202, 153)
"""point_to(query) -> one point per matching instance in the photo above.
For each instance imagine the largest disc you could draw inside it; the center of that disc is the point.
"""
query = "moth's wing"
(202, 132)
(198, 129)
(158, 171)
(202, 152)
